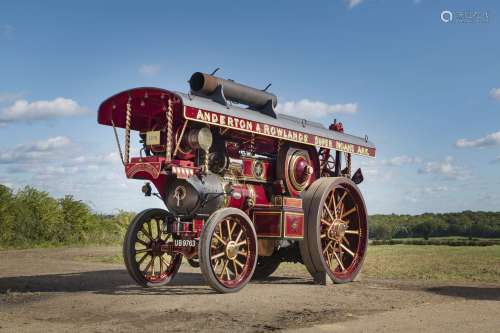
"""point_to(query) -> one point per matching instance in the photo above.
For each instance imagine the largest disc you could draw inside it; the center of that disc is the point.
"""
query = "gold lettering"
(199, 115)
(230, 121)
(363, 150)
(257, 127)
(215, 119)
(242, 123)
(222, 119)
(206, 116)
(266, 129)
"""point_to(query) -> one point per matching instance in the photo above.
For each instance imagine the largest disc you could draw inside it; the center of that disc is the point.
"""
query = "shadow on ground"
(116, 282)
(474, 293)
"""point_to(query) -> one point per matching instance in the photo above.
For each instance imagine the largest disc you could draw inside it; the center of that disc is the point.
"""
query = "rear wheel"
(266, 266)
(143, 249)
(337, 229)
(228, 250)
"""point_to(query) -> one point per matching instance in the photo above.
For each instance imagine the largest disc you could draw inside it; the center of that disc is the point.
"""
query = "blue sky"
(425, 91)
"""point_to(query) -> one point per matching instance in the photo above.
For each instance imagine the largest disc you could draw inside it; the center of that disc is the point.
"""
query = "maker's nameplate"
(153, 138)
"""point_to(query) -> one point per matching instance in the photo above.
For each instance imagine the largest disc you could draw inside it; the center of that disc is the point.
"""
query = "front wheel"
(336, 235)
(143, 249)
(228, 250)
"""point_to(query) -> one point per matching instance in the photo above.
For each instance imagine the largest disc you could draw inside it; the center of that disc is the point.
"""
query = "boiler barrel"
(206, 84)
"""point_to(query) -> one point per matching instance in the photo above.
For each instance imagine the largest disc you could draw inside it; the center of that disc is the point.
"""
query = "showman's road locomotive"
(245, 187)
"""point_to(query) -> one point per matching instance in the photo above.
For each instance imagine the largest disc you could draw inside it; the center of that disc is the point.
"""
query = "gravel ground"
(63, 290)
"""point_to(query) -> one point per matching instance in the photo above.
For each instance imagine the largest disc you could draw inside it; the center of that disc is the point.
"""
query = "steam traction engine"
(245, 188)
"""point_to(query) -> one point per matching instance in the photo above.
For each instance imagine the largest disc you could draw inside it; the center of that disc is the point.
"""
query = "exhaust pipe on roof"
(221, 90)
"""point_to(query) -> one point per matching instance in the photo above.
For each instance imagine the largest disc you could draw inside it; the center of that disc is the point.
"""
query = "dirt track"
(57, 291)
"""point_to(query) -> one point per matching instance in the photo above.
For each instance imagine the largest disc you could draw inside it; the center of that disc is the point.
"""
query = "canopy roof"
(149, 105)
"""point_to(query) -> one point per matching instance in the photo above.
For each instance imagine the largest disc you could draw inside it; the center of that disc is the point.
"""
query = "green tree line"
(30, 217)
(467, 224)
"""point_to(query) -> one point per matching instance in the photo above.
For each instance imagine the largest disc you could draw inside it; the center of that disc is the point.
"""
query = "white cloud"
(35, 151)
(446, 169)
(419, 194)
(23, 110)
(402, 160)
(492, 139)
(435, 189)
(7, 183)
(314, 109)
(495, 93)
(94, 162)
(353, 3)
(150, 70)
(50, 144)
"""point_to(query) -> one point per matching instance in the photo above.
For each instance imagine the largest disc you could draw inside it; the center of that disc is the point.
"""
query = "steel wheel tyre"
(266, 265)
(144, 258)
(337, 229)
(228, 250)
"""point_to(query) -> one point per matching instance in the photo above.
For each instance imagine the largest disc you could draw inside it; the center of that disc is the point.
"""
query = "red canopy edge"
(148, 105)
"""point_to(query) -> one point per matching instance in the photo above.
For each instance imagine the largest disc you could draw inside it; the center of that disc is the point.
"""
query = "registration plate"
(185, 242)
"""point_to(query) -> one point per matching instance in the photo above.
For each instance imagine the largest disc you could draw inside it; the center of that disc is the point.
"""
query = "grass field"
(437, 263)
(414, 262)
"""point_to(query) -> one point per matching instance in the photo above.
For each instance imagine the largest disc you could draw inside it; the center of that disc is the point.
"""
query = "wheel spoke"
(329, 212)
(153, 266)
(326, 222)
(142, 259)
(239, 236)
(347, 249)
(149, 229)
(327, 246)
(224, 267)
(146, 269)
(332, 199)
(148, 235)
(220, 239)
(218, 255)
(228, 229)
(236, 261)
(322, 235)
(142, 250)
(235, 269)
(243, 253)
(161, 265)
(227, 271)
(241, 243)
(349, 212)
(329, 259)
(164, 262)
(352, 232)
(344, 238)
(340, 204)
(140, 241)
(339, 261)
(158, 229)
